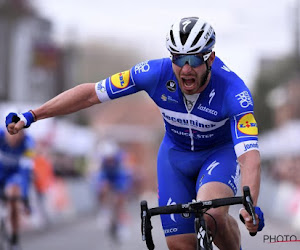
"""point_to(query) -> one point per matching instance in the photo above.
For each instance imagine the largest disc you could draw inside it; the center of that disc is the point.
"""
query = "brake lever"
(248, 204)
(146, 226)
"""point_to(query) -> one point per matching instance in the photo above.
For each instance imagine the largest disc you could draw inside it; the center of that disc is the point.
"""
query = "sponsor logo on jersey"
(248, 146)
(201, 179)
(245, 99)
(164, 97)
(170, 202)
(212, 166)
(184, 120)
(196, 135)
(142, 67)
(189, 122)
(168, 98)
(247, 125)
(101, 86)
(224, 67)
(171, 230)
(171, 86)
(235, 178)
(120, 80)
(211, 96)
(207, 110)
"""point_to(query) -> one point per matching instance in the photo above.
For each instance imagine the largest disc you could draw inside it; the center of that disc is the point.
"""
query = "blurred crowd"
(280, 145)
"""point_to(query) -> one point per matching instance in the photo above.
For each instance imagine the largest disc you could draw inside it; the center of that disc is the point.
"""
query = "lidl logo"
(121, 80)
(247, 125)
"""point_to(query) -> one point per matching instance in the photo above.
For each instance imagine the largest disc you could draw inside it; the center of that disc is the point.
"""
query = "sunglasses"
(193, 60)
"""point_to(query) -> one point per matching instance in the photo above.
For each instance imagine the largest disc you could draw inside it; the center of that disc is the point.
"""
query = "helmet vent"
(197, 38)
(172, 37)
(194, 50)
(183, 37)
(210, 42)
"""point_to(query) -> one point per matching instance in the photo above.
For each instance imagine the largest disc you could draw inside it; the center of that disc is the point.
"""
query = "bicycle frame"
(204, 239)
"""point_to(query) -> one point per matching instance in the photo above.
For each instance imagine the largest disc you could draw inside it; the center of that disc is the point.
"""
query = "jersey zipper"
(189, 119)
(191, 132)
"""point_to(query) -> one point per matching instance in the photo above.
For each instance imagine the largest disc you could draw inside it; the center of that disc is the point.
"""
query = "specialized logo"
(185, 24)
(225, 68)
(171, 86)
(211, 96)
(212, 166)
(170, 202)
(247, 125)
(245, 99)
(121, 80)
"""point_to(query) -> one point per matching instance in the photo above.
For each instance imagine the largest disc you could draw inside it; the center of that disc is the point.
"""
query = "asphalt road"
(86, 233)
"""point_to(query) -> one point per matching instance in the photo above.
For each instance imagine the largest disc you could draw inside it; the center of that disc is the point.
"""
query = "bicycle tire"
(4, 239)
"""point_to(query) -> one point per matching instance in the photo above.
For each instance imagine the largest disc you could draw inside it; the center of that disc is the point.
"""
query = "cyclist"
(16, 152)
(209, 122)
(113, 183)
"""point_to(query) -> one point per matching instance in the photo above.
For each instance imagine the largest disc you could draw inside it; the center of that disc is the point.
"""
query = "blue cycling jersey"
(14, 158)
(223, 112)
(16, 163)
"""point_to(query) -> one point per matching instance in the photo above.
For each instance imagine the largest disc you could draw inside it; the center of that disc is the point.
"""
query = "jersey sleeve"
(143, 76)
(244, 128)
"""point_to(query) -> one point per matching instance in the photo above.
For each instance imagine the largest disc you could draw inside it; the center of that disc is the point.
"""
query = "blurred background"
(47, 47)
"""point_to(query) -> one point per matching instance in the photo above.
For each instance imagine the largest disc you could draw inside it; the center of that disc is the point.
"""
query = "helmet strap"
(208, 70)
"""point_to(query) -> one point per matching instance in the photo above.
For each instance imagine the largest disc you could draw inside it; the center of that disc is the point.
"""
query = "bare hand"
(14, 128)
(249, 222)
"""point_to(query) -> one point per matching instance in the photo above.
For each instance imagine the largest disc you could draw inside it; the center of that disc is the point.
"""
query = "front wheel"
(204, 239)
(4, 238)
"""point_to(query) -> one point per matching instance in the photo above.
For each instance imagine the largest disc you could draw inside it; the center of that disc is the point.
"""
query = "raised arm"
(70, 101)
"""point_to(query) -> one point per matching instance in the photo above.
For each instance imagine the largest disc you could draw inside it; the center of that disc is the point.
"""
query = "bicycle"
(198, 208)
(5, 228)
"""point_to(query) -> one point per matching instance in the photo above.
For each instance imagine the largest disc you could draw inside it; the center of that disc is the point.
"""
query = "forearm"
(70, 101)
(250, 172)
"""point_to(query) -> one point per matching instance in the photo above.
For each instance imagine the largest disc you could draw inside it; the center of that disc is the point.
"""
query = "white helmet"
(190, 35)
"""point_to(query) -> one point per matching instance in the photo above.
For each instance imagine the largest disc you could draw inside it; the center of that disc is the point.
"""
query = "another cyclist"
(209, 121)
(113, 183)
(16, 152)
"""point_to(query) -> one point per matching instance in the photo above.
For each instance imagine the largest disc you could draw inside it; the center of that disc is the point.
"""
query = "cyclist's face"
(190, 78)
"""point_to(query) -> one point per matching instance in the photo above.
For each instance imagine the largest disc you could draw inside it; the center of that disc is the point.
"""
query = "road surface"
(87, 233)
